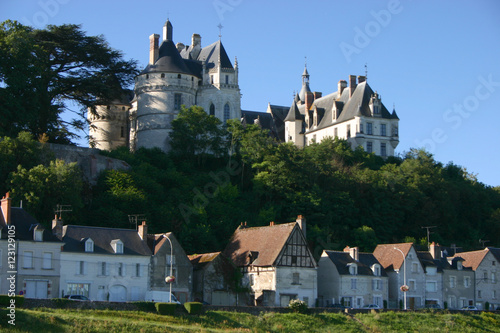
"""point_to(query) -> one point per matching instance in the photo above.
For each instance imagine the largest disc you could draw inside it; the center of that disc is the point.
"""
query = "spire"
(305, 85)
(293, 113)
(167, 30)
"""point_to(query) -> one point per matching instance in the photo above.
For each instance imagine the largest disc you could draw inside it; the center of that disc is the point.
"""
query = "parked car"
(80, 298)
(432, 306)
(371, 306)
(469, 308)
(160, 296)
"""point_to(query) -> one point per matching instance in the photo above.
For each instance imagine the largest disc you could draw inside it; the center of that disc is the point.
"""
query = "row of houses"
(267, 266)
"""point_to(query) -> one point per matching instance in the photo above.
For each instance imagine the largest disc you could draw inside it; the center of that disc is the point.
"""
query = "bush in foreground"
(298, 306)
(193, 307)
(5, 300)
(166, 308)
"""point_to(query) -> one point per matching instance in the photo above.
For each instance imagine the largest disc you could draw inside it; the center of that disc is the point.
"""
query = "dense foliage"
(349, 197)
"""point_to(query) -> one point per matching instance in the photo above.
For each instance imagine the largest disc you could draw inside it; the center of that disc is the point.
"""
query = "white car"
(80, 298)
(470, 308)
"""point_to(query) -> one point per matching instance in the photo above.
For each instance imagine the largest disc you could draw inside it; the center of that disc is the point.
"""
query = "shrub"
(145, 306)
(61, 302)
(166, 308)
(193, 307)
(5, 300)
(298, 306)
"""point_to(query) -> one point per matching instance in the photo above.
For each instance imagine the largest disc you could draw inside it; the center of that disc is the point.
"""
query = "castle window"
(227, 79)
(227, 113)
(360, 128)
(383, 149)
(147, 76)
(383, 130)
(369, 128)
(179, 76)
(162, 75)
(348, 131)
(122, 132)
(369, 147)
(177, 101)
(211, 79)
(212, 110)
(108, 107)
(123, 108)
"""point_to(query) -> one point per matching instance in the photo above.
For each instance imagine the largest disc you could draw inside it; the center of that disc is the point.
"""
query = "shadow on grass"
(29, 322)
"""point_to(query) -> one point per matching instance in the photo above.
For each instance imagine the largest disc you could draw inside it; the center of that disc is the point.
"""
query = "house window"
(412, 285)
(452, 281)
(296, 278)
(170, 259)
(479, 294)
(354, 283)
(78, 289)
(294, 260)
(383, 130)
(361, 128)
(494, 294)
(493, 278)
(212, 110)
(47, 260)
(414, 267)
(28, 259)
(466, 282)
(138, 271)
(251, 279)
(38, 235)
(431, 286)
(347, 302)
(369, 128)
(177, 101)
(369, 147)
(117, 245)
(485, 276)
(227, 113)
(89, 245)
(359, 302)
(376, 270)
(120, 269)
(377, 300)
(104, 269)
(493, 263)
(383, 149)
(80, 268)
(376, 284)
(353, 269)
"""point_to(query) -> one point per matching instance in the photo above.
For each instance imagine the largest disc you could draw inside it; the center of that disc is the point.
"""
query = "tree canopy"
(43, 70)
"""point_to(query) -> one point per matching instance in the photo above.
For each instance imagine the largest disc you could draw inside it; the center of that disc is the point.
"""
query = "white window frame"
(89, 245)
(453, 281)
(28, 260)
(354, 283)
(47, 260)
(467, 281)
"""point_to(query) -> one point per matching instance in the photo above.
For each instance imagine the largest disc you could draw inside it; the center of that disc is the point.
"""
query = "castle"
(179, 74)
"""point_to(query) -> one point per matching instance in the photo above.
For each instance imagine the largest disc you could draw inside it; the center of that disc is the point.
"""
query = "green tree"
(41, 70)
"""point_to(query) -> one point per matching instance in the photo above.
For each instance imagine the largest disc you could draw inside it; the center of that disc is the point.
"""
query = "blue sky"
(438, 62)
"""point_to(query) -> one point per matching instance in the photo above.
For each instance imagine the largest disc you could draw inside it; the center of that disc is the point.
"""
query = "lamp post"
(169, 281)
(404, 287)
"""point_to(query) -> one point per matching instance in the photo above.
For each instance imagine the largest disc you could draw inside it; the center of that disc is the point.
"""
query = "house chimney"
(301, 220)
(341, 86)
(57, 227)
(435, 250)
(309, 99)
(361, 78)
(143, 230)
(317, 94)
(352, 84)
(180, 46)
(271, 223)
(6, 207)
(354, 253)
(153, 48)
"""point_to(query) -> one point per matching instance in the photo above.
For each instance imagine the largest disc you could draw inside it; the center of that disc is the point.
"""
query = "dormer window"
(353, 269)
(38, 233)
(459, 265)
(376, 270)
(117, 246)
(89, 245)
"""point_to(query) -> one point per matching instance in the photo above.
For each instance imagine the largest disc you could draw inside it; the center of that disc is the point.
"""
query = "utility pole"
(62, 208)
(429, 235)
(135, 218)
(482, 241)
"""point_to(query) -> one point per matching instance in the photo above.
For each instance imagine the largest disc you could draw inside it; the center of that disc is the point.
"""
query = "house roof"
(343, 260)
(25, 225)
(265, 242)
(201, 260)
(74, 237)
(474, 258)
(391, 258)
(169, 60)
(156, 241)
(211, 54)
(266, 121)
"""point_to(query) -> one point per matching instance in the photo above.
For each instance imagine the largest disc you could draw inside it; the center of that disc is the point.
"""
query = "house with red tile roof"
(486, 265)
(396, 259)
(276, 263)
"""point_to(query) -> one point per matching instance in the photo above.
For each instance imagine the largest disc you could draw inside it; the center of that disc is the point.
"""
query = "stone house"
(33, 257)
(396, 259)
(167, 255)
(351, 278)
(103, 263)
(276, 263)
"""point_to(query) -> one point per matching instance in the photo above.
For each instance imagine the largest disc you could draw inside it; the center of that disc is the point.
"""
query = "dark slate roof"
(293, 113)
(267, 241)
(264, 120)
(210, 55)
(25, 225)
(342, 261)
(169, 60)
(102, 237)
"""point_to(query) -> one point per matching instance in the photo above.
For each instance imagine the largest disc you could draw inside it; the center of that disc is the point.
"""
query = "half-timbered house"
(276, 263)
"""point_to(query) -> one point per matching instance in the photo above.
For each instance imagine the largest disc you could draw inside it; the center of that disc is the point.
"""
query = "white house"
(275, 262)
(104, 263)
(351, 278)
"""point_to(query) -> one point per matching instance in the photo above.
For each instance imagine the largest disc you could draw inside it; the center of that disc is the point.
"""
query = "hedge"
(5, 300)
(145, 306)
(166, 308)
(193, 307)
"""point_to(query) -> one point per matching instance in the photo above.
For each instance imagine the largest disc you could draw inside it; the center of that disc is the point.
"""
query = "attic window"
(38, 232)
(89, 245)
(353, 269)
(376, 270)
(117, 246)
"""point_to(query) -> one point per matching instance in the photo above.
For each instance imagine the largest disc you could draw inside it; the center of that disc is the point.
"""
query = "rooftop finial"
(220, 26)
(366, 71)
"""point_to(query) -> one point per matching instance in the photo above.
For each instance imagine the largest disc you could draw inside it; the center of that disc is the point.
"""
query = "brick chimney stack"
(352, 84)
(57, 227)
(309, 100)
(153, 48)
(6, 205)
(301, 220)
(353, 252)
(143, 230)
(341, 86)
(435, 250)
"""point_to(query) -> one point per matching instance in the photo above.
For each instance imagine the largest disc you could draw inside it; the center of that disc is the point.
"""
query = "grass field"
(62, 320)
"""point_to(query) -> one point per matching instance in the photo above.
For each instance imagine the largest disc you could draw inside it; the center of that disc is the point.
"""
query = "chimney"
(341, 86)
(153, 48)
(309, 99)
(143, 230)
(6, 207)
(435, 250)
(196, 40)
(271, 223)
(361, 78)
(317, 95)
(352, 84)
(180, 46)
(353, 252)
(57, 227)
(301, 220)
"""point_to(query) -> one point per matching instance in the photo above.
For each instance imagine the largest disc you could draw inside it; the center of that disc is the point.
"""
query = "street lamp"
(170, 279)
(404, 287)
